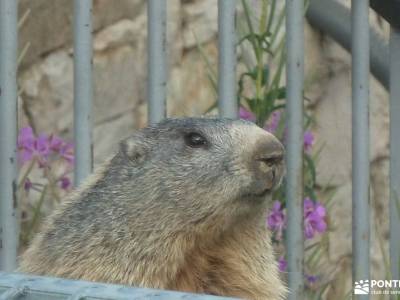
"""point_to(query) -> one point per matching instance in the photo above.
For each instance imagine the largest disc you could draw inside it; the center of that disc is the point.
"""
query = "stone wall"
(46, 83)
(46, 71)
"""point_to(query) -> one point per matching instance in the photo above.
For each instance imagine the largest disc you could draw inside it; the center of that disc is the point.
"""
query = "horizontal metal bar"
(227, 101)
(8, 134)
(156, 59)
(294, 157)
(79, 295)
(50, 288)
(13, 293)
(395, 152)
(334, 19)
(83, 89)
(360, 140)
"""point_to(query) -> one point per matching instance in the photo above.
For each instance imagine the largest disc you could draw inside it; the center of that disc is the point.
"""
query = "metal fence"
(27, 287)
(227, 104)
(394, 150)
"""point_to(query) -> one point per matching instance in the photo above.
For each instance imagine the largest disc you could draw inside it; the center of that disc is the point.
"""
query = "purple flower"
(311, 279)
(273, 122)
(276, 219)
(30, 147)
(314, 218)
(26, 140)
(56, 143)
(42, 146)
(27, 185)
(67, 152)
(246, 115)
(65, 183)
(282, 264)
(308, 141)
(64, 149)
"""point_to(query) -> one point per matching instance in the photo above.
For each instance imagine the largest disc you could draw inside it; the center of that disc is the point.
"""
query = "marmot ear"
(133, 149)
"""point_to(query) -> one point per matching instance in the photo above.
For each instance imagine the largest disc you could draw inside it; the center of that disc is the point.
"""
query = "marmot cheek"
(267, 174)
(271, 179)
(279, 172)
(263, 167)
(274, 177)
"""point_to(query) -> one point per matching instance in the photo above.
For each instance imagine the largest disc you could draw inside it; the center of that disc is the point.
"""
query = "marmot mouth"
(261, 194)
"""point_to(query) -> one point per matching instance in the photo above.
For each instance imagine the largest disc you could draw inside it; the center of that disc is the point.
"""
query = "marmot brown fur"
(181, 206)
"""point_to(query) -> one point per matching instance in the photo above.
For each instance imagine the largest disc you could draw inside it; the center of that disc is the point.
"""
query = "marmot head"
(198, 168)
(181, 206)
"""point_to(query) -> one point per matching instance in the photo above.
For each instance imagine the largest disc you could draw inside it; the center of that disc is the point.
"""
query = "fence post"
(360, 139)
(156, 59)
(294, 157)
(8, 134)
(227, 100)
(395, 152)
(83, 89)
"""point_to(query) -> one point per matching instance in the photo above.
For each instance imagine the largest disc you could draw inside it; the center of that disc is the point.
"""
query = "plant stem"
(23, 178)
(36, 213)
(271, 16)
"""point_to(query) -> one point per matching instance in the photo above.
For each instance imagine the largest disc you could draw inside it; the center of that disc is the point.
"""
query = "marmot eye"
(195, 140)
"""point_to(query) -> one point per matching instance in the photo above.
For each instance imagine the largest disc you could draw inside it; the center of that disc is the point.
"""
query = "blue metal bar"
(294, 157)
(395, 152)
(8, 134)
(157, 69)
(83, 89)
(227, 102)
(13, 293)
(79, 295)
(28, 287)
(334, 19)
(360, 138)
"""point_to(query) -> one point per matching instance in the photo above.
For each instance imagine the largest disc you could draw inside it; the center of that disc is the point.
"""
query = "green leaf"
(278, 107)
(310, 192)
(213, 106)
(322, 290)
(248, 37)
(265, 76)
(311, 167)
(278, 26)
(271, 17)
(314, 257)
(281, 92)
(252, 38)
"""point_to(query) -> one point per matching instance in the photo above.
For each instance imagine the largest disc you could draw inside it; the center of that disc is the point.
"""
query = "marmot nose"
(270, 151)
(269, 162)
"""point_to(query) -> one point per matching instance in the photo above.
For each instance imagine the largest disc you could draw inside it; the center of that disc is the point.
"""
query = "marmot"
(181, 206)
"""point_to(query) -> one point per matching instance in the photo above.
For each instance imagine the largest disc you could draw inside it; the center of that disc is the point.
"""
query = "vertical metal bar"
(395, 151)
(360, 138)
(294, 157)
(8, 134)
(227, 102)
(157, 69)
(83, 89)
